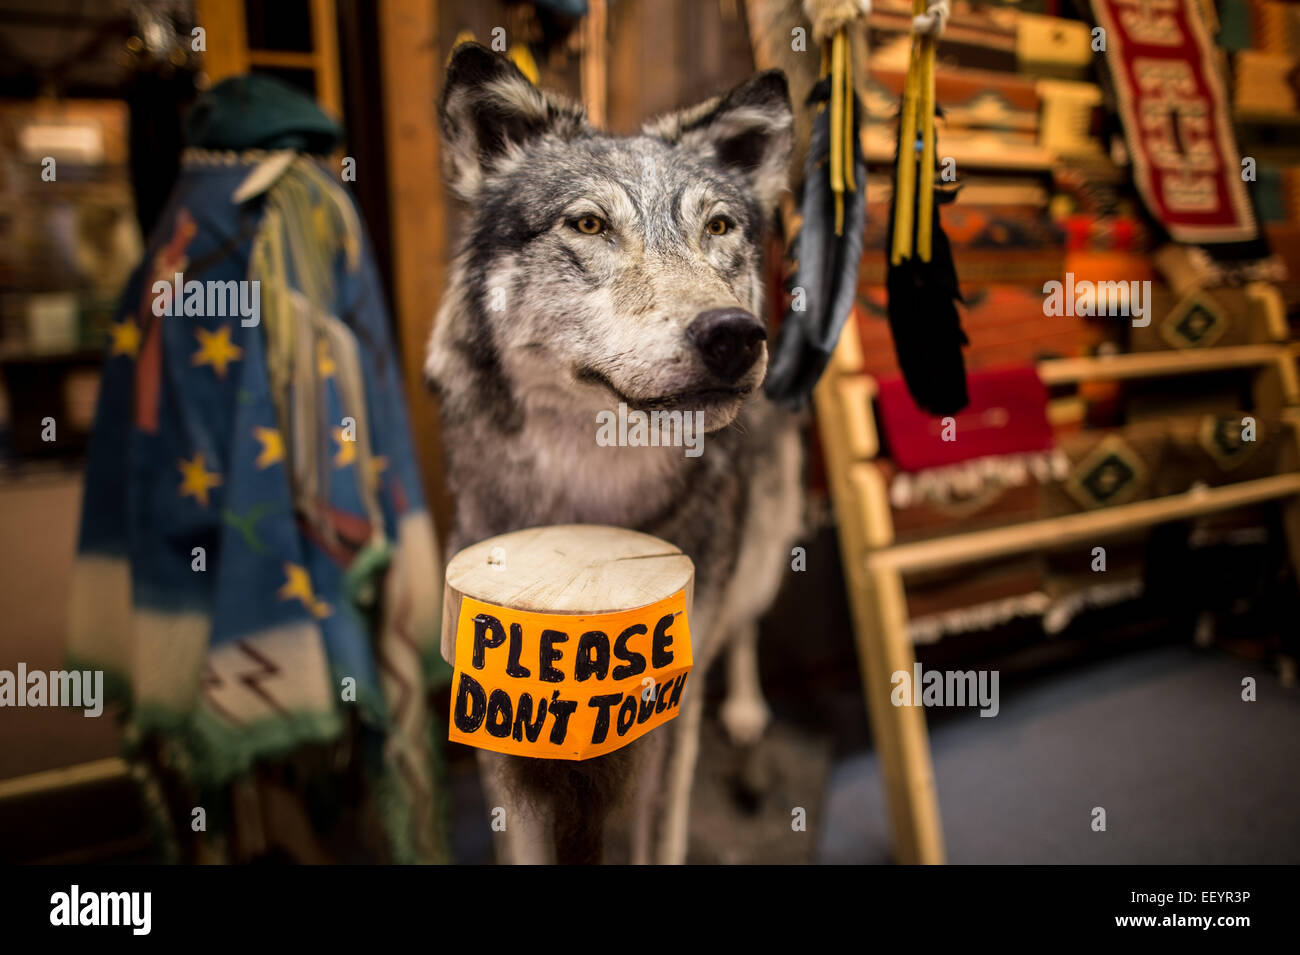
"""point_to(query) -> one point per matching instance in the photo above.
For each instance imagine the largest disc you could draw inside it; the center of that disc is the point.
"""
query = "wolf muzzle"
(729, 341)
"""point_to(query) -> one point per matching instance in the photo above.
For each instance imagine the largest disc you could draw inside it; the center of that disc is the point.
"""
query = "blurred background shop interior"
(1120, 687)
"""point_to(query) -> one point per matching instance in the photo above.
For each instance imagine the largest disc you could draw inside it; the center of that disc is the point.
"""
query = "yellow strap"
(905, 177)
(917, 110)
(836, 119)
(850, 182)
(522, 57)
(464, 36)
(925, 115)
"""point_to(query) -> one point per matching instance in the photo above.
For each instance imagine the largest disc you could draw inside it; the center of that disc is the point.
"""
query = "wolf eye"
(718, 225)
(590, 225)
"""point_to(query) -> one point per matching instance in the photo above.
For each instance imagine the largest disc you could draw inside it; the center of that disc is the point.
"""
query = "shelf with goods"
(68, 242)
(1145, 420)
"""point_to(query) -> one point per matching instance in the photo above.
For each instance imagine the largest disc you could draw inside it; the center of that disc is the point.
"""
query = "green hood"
(258, 112)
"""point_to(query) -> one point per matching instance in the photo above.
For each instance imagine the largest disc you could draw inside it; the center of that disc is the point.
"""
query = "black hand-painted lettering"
(524, 713)
(550, 655)
(471, 704)
(500, 709)
(635, 662)
(484, 623)
(626, 714)
(593, 656)
(660, 655)
(513, 667)
(602, 703)
(561, 710)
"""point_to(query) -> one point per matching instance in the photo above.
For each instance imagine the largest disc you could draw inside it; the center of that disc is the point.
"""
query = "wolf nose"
(728, 339)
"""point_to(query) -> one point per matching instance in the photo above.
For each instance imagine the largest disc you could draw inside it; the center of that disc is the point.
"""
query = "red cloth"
(1177, 120)
(1007, 414)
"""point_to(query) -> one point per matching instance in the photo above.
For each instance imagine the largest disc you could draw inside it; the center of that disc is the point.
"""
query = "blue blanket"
(256, 568)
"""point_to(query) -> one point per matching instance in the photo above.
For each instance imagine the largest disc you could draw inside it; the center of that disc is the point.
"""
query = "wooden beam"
(847, 357)
(855, 393)
(910, 780)
(325, 50)
(1291, 509)
(879, 627)
(872, 499)
(411, 62)
(1073, 528)
(225, 38)
(286, 59)
(1267, 313)
(65, 777)
(595, 62)
(1060, 371)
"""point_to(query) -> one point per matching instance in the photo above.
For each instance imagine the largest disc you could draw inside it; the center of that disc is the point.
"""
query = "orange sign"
(567, 686)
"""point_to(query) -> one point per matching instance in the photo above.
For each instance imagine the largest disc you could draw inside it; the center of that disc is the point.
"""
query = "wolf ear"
(488, 109)
(750, 130)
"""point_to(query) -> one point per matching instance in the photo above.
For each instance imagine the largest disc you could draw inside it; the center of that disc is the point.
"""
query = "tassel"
(921, 279)
(829, 244)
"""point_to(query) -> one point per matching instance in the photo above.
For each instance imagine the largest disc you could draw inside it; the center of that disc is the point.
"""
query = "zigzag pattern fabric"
(256, 569)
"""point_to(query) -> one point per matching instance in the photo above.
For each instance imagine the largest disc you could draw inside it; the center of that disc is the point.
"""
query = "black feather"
(923, 316)
(827, 264)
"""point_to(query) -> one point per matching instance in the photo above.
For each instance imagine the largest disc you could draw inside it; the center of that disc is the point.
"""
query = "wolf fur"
(542, 327)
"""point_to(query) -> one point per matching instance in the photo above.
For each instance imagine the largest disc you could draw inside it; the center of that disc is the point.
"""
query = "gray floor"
(1186, 771)
(39, 516)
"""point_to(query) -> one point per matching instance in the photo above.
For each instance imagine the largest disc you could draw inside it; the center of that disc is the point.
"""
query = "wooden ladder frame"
(875, 566)
(229, 54)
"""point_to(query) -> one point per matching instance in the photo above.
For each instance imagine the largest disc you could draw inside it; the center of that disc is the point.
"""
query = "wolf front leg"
(745, 713)
(681, 777)
(645, 799)
(521, 832)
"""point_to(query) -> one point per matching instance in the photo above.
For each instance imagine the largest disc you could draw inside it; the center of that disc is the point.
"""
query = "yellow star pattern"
(324, 360)
(216, 349)
(297, 585)
(347, 449)
(272, 442)
(126, 338)
(197, 480)
(320, 220)
(378, 465)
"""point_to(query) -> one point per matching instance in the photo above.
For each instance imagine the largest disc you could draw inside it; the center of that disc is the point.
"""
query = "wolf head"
(596, 268)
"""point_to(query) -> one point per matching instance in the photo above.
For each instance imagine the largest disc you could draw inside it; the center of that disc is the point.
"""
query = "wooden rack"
(229, 54)
(875, 566)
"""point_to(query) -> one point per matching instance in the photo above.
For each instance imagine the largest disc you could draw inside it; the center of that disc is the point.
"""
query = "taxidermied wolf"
(595, 270)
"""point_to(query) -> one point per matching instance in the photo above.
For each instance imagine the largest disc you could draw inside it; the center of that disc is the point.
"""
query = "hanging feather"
(921, 279)
(829, 244)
